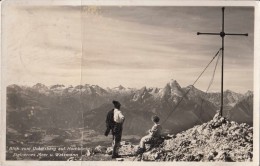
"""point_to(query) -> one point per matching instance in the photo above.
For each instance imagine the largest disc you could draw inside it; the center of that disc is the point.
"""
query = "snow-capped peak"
(120, 87)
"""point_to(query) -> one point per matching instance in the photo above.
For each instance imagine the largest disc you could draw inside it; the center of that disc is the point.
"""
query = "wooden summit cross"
(222, 34)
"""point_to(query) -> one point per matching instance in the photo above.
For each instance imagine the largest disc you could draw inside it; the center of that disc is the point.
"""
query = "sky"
(129, 46)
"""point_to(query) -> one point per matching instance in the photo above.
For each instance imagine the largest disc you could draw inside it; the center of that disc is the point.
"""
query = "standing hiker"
(115, 120)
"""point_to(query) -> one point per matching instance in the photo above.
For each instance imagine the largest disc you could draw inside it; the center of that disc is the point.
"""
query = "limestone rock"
(100, 149)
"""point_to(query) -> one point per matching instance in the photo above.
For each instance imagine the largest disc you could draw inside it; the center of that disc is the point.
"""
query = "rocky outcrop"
(217, 140)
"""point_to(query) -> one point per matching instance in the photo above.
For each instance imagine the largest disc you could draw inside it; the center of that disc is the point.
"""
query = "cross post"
(222, 34)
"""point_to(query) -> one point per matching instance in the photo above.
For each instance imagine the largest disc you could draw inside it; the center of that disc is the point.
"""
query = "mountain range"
(58, 106)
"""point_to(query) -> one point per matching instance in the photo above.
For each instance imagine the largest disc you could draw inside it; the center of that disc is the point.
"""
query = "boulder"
(109, 150)
(150, 155)
(100, 149)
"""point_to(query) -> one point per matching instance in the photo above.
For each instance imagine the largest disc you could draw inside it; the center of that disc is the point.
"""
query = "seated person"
(154, 134)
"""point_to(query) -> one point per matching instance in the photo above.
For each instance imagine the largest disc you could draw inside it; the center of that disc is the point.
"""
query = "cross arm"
(237, 34)
(200, 33)
(222, 34)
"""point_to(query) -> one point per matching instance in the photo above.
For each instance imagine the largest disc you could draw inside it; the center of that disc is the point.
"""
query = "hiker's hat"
(116, 103)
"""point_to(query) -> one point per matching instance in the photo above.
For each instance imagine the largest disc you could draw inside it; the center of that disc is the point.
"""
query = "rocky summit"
(216, 140)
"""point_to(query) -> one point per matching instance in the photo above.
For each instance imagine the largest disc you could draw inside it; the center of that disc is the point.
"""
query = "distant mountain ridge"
(63, 107)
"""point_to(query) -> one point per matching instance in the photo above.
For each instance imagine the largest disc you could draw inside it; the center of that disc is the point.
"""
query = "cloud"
(133, 46)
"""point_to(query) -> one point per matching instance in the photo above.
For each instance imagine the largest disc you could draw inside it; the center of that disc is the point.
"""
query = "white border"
(130, 2)
(136, 3)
